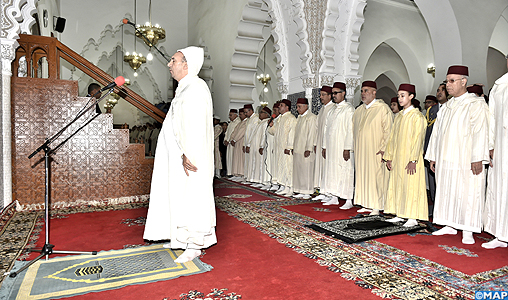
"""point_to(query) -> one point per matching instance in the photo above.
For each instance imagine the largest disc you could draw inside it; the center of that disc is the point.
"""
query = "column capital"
(7, 54)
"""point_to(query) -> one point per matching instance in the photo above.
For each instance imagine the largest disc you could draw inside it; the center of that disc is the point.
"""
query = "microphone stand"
(47, 249)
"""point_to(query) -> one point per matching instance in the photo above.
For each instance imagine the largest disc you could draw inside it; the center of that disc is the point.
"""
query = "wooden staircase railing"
(35, 47)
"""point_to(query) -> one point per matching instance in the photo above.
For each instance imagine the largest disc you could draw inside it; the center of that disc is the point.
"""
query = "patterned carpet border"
(20, 230)
(15, 231)
(389, 272)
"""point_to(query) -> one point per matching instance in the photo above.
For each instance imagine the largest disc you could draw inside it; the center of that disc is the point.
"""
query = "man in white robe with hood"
(182, 207)
(495, 218)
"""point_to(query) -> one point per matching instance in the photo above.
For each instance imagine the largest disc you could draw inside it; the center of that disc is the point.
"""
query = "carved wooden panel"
(95, 164)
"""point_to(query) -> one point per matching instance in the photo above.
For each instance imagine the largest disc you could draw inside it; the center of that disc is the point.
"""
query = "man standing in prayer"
(430, 116)
(372, 122)
(495, 219)
(182, 207)
(457, 150)
(237, 137)
(94, 89)
(303, 150)
(217, 130)
(407, 196)
(395, 106)
(326, 99)
(252, 122)
(442, 94)
(338, 171)
(259, 174)
(271, 160)
(234, 121)
(284, 134)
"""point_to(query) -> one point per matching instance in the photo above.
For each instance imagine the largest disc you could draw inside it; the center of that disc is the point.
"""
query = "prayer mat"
(362, 228)
(80, 274)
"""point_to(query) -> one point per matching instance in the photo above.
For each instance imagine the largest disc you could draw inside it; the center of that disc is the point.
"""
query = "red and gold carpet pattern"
(270, 254)
(379, 265)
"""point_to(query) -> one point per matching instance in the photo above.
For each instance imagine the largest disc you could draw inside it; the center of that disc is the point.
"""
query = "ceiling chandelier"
(135, 60)
(111, 102)
(264, 78)
(149, 33)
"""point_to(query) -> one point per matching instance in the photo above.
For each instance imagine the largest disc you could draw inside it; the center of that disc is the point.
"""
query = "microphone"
(148, 41)
(126, 21)
(271, 119)
(119, 81)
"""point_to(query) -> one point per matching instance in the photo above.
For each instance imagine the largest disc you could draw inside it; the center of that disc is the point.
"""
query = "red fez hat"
(302, 101)
(339, 85)
(369, 83)
(415, 102)
(276, 105)
(267, 110)
(431, 97)
(407, 87)
(459, 70)
(240, 110)
(394, 99)
(477, 89)
(287, 102)
(248, 106)
(235, 111)
(326, 88)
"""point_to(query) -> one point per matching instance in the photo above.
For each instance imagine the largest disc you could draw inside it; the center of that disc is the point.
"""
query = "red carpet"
(258, 259)
(245, 261)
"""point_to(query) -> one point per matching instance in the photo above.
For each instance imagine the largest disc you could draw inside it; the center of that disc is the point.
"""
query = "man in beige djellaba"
(303, 150)
(372, 123)
(237, 168)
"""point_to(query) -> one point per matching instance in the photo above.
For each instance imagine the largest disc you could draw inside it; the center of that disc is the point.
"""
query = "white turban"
(195, 57)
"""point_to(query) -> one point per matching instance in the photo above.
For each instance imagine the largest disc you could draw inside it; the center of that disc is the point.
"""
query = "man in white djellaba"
(457, 151)
(495, 218)
(234, 121)
(182, 207)
(303, 150)
(338, 176)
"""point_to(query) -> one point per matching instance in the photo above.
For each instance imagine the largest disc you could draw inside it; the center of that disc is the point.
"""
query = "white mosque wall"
(95, 30)
(215, 24)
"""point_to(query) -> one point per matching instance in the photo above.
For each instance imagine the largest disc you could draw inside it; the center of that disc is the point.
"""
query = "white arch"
(356, 20)
(279, 33)
(248, 44)
(444, 33)
(410, 60)
(328, 47)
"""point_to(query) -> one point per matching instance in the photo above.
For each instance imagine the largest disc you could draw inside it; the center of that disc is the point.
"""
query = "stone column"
(8, 47)
(352, 84)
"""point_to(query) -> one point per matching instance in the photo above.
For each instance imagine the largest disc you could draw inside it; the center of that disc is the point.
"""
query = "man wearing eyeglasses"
(457, 150)
(338, 170)
(496, 205)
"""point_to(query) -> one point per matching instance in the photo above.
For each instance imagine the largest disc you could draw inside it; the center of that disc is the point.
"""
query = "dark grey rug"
(361, 229)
